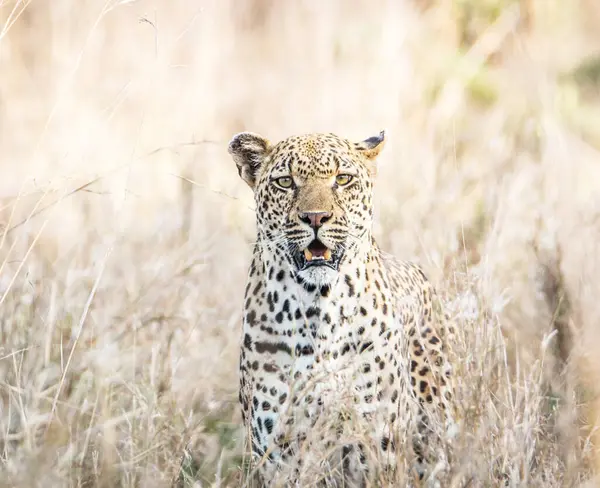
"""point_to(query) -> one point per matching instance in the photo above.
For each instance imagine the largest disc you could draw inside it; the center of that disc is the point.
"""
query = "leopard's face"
(313, 198)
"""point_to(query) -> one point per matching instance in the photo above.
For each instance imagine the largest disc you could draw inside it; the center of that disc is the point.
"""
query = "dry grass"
(126, 232)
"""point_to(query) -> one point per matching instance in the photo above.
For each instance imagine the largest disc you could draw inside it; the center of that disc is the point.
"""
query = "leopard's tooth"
(327, 254)
(308, 255)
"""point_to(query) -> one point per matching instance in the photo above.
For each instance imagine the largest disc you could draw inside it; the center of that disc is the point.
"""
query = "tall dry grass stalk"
(126, 233)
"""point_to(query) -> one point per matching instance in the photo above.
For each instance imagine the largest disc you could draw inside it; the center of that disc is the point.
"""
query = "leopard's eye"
(284, 182)
(343, 180)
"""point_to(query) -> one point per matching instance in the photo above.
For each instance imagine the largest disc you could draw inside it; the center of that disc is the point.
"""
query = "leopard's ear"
(249, 151)
(371, 147)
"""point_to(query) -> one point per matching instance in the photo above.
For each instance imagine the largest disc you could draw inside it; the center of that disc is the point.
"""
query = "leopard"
(335, 331)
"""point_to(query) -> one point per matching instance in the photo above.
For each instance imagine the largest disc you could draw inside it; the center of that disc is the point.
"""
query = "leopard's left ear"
(249, 151)
(371, 147)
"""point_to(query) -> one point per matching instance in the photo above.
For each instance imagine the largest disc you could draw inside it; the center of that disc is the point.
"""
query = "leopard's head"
(313, 194)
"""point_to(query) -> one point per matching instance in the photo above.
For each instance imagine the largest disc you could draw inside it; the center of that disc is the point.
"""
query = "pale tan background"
(120, 301)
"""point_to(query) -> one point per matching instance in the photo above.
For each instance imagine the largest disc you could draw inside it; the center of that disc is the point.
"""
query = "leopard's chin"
(318, 276)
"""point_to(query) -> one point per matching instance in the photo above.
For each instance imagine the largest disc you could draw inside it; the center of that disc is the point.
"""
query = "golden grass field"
(125, 232)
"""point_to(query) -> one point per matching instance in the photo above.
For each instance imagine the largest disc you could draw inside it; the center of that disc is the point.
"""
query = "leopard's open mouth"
(317, 254)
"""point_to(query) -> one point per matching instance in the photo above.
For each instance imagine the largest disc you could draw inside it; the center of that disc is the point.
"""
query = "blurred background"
(125, 232)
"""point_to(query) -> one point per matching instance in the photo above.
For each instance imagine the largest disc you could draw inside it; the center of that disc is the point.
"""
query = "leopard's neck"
(296, 308)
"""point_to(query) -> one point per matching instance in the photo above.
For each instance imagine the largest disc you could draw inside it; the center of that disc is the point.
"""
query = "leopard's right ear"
(249, 151)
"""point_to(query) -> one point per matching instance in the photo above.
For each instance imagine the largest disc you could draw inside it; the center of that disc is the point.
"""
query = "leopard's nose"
(314, 219)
